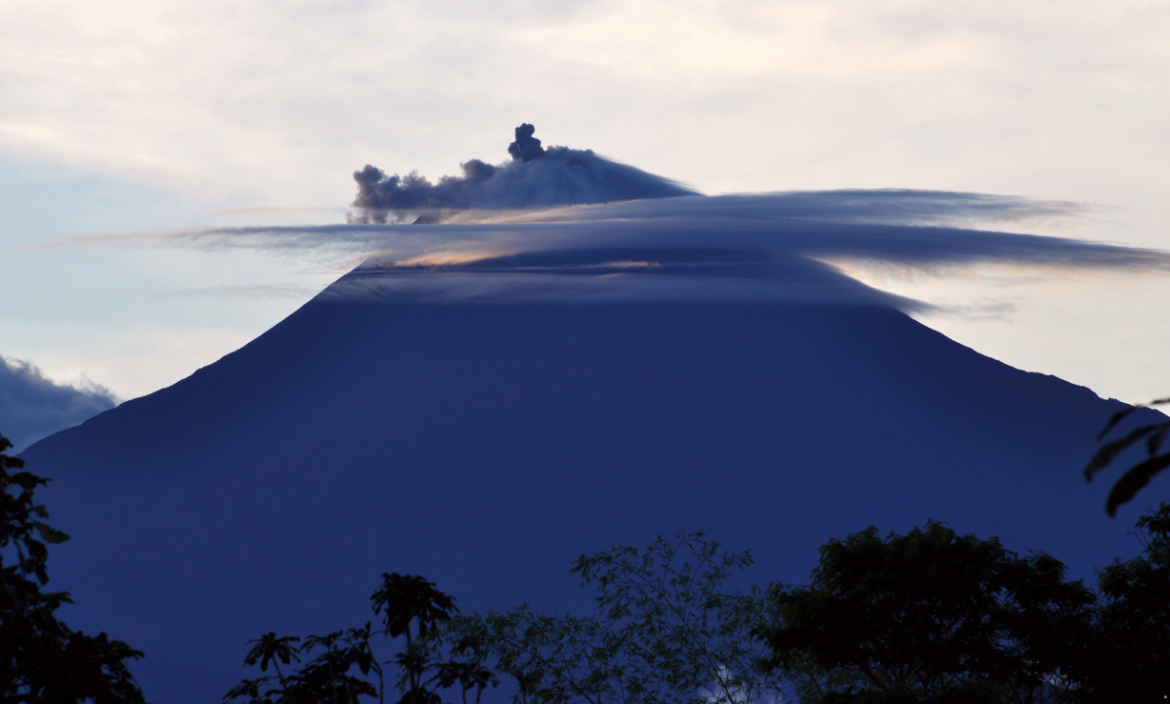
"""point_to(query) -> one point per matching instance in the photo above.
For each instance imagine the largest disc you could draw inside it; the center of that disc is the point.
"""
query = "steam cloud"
(32, 406)
(535, 177)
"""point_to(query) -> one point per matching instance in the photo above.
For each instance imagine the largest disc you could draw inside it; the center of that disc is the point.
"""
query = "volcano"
(484, 422)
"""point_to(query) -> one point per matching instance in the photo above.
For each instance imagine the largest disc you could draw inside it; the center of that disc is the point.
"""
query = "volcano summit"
(481, 402)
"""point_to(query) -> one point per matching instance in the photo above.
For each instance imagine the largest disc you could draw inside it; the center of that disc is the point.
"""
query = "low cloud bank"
(536, 177)
(32, 406)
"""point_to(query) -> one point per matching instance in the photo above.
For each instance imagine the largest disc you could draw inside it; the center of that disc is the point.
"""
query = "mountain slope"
(485, 444)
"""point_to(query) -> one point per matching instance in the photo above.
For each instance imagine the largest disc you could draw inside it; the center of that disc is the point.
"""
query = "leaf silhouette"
(1111, 450)
(406, 598)
(1123, 414)
(1154, 442)
(1140, 474)
(1133, 480)
(50, 534)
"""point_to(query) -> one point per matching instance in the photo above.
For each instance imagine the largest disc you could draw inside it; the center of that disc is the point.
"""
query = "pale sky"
(127, 117)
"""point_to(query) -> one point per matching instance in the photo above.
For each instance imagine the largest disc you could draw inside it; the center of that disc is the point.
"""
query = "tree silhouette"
(274, 649)
(326, 678)
(338, 665)
(406, 599)
(41, 658)
(1137, 476)
(1129, 660)
(470, 673)
(925, 617)
(666, 632)
(403, 600)
(930, 616)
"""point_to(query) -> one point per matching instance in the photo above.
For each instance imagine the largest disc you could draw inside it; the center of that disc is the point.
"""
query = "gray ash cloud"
(526, 147)
(534, 177)
(378, 191)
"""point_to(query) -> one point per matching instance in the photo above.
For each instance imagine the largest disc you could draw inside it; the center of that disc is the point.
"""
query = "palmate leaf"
(269, 648)
(406, 598)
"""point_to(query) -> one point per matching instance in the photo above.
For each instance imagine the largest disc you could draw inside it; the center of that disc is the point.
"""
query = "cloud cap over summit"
(536, 177)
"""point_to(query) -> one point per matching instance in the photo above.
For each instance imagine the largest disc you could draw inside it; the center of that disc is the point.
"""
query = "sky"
(122, 122)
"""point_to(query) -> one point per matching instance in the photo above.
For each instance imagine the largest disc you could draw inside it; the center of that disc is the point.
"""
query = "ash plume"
(535, 177)
(378, 191)
(526, 147)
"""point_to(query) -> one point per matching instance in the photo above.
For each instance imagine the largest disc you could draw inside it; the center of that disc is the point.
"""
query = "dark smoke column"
(526, 147)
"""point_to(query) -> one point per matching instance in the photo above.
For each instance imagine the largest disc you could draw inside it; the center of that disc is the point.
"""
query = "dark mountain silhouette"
(486, 442)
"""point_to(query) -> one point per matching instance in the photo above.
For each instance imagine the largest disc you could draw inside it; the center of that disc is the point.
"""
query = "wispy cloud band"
(776, 240)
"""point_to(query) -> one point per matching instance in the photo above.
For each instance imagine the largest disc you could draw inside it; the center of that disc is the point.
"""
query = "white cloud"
(33, 406)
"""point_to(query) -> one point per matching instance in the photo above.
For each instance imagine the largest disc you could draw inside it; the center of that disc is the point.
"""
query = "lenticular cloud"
(536, 177)
(757, 246)
(560, 223)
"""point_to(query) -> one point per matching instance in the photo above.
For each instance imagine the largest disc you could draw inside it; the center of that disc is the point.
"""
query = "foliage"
(666, 632)
(929, 616)
(405, 599)
(342, 667)
(274, 649)
(1137, 476)
(41, 658)
(325, 677)
(1130, 655)
(925, 617)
